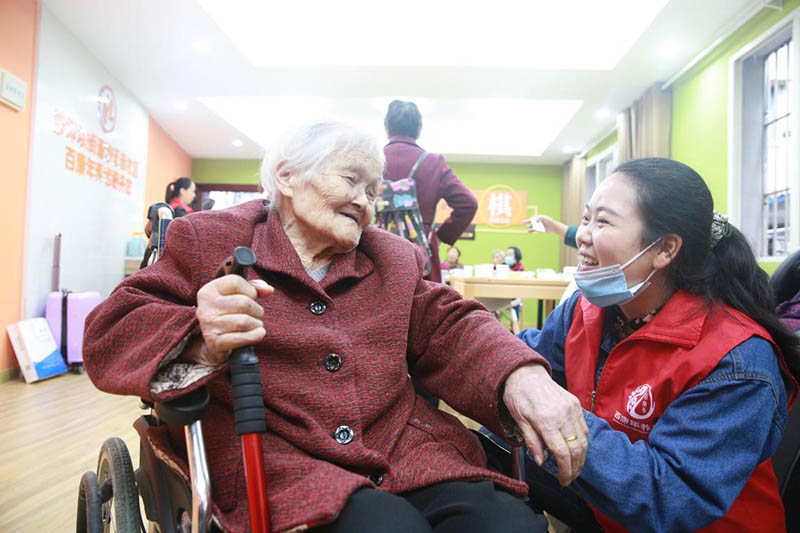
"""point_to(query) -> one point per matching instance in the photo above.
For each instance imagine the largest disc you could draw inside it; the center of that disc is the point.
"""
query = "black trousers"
(456, 506)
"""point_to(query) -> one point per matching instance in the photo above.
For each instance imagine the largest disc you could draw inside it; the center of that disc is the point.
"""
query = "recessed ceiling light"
(469, 126)
(237, 143)
(181, 105)
(669, 49)
(513, 34)
(201, 46)
(603, 114)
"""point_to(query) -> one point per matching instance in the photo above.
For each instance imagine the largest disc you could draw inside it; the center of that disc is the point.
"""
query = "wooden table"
(547, 291)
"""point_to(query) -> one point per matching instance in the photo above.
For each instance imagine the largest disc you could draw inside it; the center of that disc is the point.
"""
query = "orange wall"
(18, 19)
(166, 161)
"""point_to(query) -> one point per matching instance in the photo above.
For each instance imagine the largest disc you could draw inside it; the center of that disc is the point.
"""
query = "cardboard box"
(36, 350)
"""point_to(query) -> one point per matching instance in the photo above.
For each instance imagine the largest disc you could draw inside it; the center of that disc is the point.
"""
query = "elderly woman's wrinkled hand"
(229, 316)
(549, 417)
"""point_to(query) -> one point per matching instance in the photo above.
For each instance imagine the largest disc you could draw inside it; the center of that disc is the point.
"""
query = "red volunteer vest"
(683, 344)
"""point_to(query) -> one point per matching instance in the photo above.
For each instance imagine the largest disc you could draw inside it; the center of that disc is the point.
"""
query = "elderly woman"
(339, 315)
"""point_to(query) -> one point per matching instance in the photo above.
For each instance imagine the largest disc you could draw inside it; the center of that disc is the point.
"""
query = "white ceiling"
(523, 80)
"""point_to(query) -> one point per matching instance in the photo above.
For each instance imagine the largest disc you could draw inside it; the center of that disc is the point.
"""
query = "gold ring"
(571, 438)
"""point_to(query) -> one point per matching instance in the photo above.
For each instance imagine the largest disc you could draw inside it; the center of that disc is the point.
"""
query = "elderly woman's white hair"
(310, 148)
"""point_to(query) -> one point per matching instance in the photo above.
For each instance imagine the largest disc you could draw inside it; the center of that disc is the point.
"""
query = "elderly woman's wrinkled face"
(337, 204)
(498, 257)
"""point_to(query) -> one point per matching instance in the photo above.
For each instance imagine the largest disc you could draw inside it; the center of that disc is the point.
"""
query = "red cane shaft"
(256, 483)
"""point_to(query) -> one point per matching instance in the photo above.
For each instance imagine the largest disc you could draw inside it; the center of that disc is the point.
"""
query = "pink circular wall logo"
(107, 109)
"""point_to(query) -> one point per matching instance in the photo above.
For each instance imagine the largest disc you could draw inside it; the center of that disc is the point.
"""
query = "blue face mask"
(510, 261)
(607, 286)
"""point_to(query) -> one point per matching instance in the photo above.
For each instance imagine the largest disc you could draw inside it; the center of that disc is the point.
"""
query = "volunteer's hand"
(550, 225)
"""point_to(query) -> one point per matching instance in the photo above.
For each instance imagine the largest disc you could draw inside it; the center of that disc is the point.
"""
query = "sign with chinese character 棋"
(499, 207)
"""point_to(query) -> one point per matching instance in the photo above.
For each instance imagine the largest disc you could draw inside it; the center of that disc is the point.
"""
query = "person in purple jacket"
(435, 180)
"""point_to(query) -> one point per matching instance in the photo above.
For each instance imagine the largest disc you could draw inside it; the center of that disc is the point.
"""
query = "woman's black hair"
(517, 253)
(174, 188)
(673, 198)
(403, 118)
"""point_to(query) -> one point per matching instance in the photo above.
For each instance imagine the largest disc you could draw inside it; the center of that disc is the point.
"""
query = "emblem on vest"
(640, 402)
(640, 406)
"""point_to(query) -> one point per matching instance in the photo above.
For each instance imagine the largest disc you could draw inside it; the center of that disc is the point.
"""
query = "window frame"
(789, 25)
(594, 163)
(225, 187)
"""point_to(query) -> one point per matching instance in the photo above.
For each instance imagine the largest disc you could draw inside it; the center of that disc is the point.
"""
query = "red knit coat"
(380, 317)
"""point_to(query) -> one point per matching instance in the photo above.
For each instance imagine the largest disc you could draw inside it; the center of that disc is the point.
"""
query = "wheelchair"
(172, 500)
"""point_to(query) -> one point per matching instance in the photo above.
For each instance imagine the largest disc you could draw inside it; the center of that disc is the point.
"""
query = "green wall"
(542, 183)
(610, 139)
(700, 108)
(228, 171)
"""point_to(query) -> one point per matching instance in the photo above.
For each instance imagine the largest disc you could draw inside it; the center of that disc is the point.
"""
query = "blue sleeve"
(700, 453)
(550, 340)
(569, 236)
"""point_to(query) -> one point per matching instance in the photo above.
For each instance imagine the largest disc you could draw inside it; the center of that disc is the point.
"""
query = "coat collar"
(679, 322)
(275, 253)
(403, 139)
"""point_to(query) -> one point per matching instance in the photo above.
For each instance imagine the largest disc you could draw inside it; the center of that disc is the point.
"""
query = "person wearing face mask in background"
(513, 259)
(680, 363)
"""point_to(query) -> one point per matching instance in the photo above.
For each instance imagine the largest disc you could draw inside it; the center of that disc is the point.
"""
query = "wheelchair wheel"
(90, 506)
(119, 496)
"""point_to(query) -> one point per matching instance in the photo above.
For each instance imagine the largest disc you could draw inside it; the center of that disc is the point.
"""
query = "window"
(776, 151)
(216, 196)
(599, 168)
(764, 184)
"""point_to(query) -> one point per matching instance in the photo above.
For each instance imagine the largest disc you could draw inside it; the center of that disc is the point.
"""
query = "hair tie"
(720, 228)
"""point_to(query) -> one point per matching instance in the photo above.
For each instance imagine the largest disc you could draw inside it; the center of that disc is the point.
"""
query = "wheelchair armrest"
(498, 458)
(185, 410)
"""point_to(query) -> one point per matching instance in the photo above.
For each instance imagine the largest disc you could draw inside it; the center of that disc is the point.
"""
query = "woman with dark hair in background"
(180, 193)
(675, 352)
(514, 259)
(435, 180)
